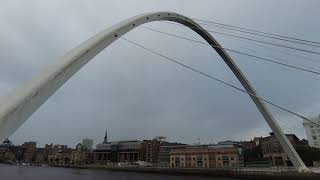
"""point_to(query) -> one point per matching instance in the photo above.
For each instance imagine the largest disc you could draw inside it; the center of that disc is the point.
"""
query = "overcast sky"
(137, 95)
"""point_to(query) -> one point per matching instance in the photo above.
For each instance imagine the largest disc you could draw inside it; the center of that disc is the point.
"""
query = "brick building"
(272, 150)
(205, 156)
(164, 153)
(152, 149)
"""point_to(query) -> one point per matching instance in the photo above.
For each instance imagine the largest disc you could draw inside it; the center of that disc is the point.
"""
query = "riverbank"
(233, 173)
(7, 162)
(19, 172)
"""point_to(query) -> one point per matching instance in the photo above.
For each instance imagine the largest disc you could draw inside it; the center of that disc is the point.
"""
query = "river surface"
(12, 172)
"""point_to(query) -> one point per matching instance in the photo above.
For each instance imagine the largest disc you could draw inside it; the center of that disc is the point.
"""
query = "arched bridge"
(18, 106)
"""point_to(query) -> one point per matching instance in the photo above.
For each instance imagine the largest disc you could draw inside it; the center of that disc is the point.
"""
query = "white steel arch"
(19, 105)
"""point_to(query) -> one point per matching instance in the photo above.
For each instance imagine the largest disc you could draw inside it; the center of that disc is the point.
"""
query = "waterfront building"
(58, 154)
(129, 150)
(273, 152)
(244, 145)
(41, 156)
(9, 152)
(151, 148)
(204, 156)
(87, 143)
(31, 145)
(164, 156)
(249, 145)
(6, 154)
(30, 151)
(313, 132)
(164, 153)
(119, 151)
(80, 155)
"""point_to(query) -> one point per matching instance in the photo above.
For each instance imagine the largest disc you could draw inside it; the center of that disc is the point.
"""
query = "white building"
(313, 132)
(87, 143)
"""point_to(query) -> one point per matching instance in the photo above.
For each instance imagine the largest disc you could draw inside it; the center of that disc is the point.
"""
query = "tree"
(308, 154)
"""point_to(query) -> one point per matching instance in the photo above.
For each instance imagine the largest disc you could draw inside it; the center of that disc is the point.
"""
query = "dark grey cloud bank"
(135, 94)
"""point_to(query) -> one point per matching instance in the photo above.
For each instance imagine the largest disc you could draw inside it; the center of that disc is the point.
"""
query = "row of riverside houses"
(261, 151)
(29, 153)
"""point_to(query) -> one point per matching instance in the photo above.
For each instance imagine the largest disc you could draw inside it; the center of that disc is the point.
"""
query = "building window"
(311, 126)
(177, 162)
(314, 137)
(199, 161)
(232, 158)
(225, 161)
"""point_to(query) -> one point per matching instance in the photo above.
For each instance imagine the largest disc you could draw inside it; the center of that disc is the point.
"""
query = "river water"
(12, 172)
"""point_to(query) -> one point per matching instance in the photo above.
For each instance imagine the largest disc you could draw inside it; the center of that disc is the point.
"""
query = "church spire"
(106, 137)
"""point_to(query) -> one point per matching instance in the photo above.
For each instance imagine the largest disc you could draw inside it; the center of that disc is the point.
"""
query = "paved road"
(12, 172)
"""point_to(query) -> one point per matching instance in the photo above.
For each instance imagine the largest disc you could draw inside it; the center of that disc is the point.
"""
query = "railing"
(267, 169)
(248, 169)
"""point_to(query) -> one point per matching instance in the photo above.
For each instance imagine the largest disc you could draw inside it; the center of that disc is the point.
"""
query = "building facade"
(152, 149)
(204, 157)
(30, 152)
(87, 143)
(272, 150)
(11, 153)
(313, 132)
(119, 151)
(164, 153)
(81, 155)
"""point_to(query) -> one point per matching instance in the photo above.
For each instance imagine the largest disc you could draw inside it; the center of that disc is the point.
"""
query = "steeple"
(106, 137)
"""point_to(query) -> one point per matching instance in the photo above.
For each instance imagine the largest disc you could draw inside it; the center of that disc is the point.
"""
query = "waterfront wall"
(242, 173)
